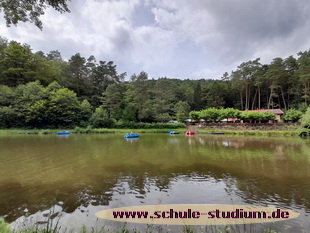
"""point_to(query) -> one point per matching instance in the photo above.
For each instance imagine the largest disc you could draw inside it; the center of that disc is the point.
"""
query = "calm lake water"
(80, 175)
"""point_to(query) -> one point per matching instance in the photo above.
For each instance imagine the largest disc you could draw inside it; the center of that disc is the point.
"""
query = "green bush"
(214, 114)
(194, 115)
(257, 116)
(211, 114)
(292, 115)
(229, 113)
(101, 119)
(141, 125)
(305, 120)
(4, 227)
(268, 116)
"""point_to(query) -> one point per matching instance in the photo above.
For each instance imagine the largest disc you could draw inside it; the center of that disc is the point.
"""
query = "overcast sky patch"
(172, 38)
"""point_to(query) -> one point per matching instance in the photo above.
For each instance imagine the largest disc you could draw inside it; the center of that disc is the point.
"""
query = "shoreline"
(213, 131)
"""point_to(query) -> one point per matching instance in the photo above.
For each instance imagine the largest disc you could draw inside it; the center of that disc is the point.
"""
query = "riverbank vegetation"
(280, 131)
(39, 90)
(87, 130)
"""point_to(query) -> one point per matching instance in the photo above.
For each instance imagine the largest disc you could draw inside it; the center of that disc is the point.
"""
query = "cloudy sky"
(172, 38)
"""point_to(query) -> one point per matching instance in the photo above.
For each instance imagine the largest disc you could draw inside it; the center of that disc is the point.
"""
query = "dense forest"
(44, 90)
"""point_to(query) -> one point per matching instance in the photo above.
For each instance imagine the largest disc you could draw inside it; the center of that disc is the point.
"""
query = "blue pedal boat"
(173, 132)
(63, 133)
(131, 135)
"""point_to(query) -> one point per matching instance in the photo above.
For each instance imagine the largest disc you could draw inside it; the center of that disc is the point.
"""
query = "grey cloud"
(246, 26)
(174, 38)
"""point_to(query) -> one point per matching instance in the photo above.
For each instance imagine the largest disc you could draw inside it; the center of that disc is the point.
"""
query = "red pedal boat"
(190, 132)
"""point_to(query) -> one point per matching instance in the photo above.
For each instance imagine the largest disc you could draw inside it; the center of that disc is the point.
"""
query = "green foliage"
(6, 95)
(303, 73)
(25, 10)
(243, 77)
(292, 115)
(41, 90)
(211, 115)
(140, 125)
(53, 86)
(257, 116)
(230, 113)
(62, 108)
(4, 227)
(162, 117)
(303, 107)
(182, 110)
(268, 116)
(8, 117)
(101, 119)
(36, 115)
(214, 114)
(85, 113)
(17, 64)
(194, 115)
(213, 95)
(305, 120)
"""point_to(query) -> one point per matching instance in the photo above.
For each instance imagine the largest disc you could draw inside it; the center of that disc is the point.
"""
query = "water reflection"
(88, 173)
(62, 135)
(131, 140)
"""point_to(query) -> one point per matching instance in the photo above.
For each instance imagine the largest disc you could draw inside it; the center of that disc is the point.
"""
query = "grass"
(285, 130)
(4, 227)
(78, 130)
(255, 132)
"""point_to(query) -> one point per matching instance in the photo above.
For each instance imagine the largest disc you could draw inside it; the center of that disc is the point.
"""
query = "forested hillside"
(44, 90)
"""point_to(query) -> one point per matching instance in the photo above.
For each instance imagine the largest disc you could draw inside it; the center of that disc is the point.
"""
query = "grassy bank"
(252, 129)
(283, 131)
(254, 132)
(124, 131)
(86, 131)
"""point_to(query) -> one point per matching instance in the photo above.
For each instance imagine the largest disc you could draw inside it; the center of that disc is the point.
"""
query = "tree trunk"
(259, 100)
(254, 99)
(249, 97)
(241, 99)
(269, 101)
(246, 97)
(283, 98)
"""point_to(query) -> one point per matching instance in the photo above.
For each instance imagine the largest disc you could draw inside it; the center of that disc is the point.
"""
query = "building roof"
(275, 111)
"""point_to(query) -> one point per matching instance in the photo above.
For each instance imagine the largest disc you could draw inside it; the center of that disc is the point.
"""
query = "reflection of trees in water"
(251, 143)
(254, 169)
(284, 195)
(38, 197)
(251, 189)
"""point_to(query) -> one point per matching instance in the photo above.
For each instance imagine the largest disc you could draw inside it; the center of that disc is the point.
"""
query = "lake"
(79, 175)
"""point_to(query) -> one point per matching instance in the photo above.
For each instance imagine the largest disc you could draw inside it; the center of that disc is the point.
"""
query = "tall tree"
(304, 74)
(114, 100)
(101, 76)
(17, 64)
(213, 95)
(243, 77)
(197, 97)
(277, 77)
(54, 55)
(137, 93)
(294, 89)
(77, 65)
(182, 110)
